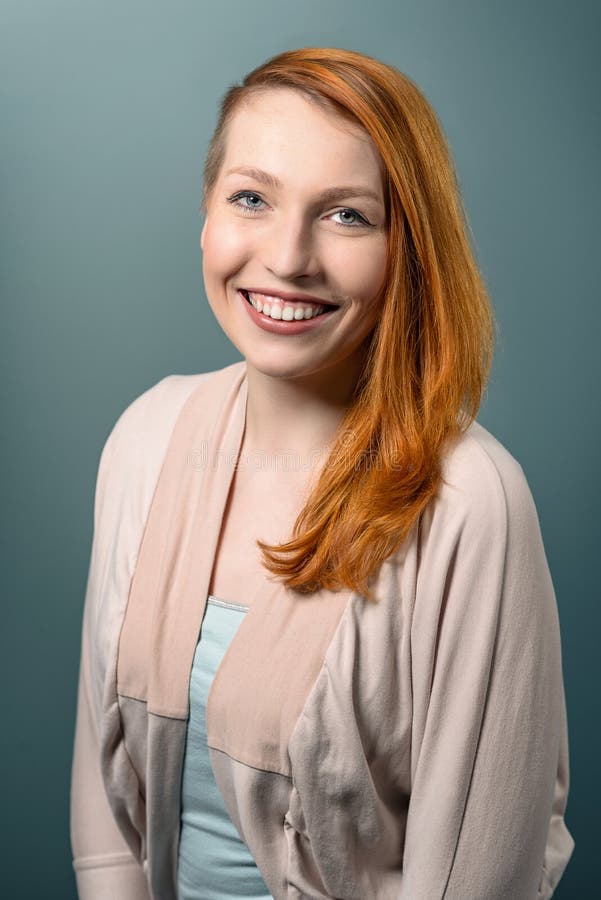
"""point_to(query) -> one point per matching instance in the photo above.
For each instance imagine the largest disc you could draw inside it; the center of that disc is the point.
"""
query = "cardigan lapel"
(278, 650)
(169, 588)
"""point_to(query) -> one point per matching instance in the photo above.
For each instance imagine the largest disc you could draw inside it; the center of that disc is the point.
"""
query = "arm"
(105, 867)
(490, 772)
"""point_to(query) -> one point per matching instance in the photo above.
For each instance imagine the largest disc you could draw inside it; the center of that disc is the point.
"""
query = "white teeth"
(285, 312)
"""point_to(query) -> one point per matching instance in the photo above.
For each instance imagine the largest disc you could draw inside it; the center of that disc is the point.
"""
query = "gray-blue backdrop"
(106, 109)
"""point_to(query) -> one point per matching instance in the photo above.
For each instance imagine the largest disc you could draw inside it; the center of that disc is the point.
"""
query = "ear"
(202, 233)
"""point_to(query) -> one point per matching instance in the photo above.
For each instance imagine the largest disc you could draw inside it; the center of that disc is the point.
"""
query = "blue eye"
(244, 195)
(235, 200)
(354, 213)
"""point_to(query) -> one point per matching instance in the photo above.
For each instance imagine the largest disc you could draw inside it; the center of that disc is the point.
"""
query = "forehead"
(285, 133)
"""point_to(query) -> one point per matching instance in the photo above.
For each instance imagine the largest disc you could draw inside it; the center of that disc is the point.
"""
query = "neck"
(297, 417)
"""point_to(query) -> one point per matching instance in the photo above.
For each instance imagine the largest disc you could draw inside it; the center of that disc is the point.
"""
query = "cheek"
(363, 272)
(223, 252)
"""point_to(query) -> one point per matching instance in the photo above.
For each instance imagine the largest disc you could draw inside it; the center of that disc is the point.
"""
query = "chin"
(283, 369)
(280, 364)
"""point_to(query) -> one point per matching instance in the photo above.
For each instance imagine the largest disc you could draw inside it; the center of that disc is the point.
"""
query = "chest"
(260, 506)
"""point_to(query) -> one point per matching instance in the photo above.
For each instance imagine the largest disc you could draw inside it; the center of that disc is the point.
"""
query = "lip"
(281, 326)
(288, 295)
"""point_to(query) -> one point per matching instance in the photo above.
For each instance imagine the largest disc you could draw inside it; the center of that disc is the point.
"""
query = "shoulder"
(152, 414)
(484, 485)
(483, 516)
(133, 453)
(139, 437)
(144, 427)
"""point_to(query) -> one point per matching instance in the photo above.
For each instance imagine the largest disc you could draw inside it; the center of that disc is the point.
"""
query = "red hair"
(428, 360)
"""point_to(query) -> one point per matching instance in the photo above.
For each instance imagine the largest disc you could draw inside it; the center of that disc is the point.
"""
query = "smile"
(279, 308)
(283, 316)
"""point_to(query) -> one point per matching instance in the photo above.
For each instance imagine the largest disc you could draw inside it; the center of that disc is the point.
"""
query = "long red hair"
(428, 360)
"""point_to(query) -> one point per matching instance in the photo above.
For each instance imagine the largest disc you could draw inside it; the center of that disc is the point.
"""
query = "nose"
(288, 250)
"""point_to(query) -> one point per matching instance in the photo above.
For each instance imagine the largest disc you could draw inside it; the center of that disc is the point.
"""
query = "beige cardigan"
(412, 749)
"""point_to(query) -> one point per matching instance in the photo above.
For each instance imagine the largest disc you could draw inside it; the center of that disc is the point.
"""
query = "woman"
(324, 538)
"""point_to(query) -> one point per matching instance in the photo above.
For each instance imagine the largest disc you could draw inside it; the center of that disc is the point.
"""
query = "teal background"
(106, 110)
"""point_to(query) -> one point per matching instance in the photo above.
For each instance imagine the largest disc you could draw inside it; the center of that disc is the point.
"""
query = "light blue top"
(214, 862)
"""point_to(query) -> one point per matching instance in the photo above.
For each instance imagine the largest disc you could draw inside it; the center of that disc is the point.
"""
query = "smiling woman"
(276, 229)
(340, 677)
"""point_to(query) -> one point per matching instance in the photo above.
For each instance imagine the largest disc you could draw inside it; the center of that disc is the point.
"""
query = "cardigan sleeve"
(490, 771)
(105, 868)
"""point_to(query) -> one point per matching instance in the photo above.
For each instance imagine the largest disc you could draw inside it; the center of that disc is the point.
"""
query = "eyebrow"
(330, 195)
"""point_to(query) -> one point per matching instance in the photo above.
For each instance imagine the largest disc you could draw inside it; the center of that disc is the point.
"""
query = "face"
(274, 233)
